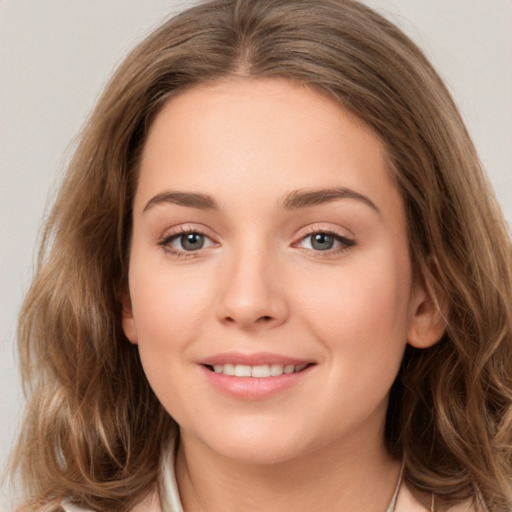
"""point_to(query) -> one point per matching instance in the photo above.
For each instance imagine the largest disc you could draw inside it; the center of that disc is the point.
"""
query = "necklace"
(392, 503)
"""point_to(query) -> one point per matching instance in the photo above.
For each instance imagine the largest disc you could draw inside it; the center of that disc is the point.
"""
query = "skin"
(260, 284)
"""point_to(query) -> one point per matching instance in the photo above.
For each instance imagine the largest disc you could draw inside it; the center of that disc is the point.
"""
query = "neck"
(339, 476)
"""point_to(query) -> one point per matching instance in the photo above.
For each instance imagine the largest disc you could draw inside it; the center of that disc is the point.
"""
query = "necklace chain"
(392, 503)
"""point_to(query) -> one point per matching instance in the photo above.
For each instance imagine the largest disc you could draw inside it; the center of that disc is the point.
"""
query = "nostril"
(249, 320)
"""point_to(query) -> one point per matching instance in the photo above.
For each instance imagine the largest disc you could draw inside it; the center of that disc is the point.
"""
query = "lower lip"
(254, 388)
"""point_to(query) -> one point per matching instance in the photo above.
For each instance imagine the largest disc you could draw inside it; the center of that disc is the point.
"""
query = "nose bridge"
(252, 291)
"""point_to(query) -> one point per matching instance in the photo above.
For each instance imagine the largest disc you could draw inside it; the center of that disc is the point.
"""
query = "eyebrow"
(192, 200)
(302, 198)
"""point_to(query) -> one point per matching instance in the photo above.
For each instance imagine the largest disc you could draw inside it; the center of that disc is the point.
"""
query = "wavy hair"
(94, 431)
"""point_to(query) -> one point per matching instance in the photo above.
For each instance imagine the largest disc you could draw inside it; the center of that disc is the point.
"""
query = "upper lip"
(254, 359)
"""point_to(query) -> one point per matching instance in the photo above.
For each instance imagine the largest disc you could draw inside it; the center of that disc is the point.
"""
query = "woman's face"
(268, 238)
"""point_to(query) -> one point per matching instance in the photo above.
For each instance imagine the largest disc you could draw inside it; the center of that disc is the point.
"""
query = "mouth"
(261, 371)
(255, 376)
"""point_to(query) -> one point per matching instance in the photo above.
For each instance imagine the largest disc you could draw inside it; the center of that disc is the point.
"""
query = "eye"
(322, 241)
(190, 241)
(326, 241)
(186, 241)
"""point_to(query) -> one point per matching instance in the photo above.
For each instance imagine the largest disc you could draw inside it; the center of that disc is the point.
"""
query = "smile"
(255, 376)
(258, 371)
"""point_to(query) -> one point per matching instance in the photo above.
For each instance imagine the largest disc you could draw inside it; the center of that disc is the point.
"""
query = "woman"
(275, 277)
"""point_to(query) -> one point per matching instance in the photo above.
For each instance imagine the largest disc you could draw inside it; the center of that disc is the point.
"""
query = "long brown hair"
(94, 431)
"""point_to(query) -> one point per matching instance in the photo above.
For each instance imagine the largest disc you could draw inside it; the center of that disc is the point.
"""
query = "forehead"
(267, 137)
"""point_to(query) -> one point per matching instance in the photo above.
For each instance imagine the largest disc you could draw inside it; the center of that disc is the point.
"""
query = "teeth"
(241, 370)
(260, 371)
(228, 369)
(276, 370)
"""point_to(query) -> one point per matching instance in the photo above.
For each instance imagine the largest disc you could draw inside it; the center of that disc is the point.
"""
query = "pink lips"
(253, 388)
(252, 359)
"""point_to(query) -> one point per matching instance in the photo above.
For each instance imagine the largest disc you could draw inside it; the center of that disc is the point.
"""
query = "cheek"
(163, 296)
(362, 308)
(169, 309)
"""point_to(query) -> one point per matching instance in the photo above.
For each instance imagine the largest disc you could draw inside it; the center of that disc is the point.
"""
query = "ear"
(127, 319)
(427, 323)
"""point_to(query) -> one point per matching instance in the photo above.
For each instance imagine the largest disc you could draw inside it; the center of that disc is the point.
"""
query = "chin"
(255, 444)
(264, 453)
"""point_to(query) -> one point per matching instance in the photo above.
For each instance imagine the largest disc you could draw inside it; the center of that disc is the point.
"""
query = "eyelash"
(167, 240)
(345, 243)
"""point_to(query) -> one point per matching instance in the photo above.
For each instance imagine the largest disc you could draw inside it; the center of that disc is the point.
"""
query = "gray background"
(56, 55)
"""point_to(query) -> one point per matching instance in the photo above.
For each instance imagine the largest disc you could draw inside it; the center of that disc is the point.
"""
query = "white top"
(403, 500)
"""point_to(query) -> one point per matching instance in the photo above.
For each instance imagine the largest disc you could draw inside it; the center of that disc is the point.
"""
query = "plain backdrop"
(56, 55)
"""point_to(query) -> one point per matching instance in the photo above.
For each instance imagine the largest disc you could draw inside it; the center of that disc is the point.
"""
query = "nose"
(253, 296)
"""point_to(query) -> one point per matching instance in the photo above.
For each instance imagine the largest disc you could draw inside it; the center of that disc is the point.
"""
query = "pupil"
(192, 241)
(322, 241)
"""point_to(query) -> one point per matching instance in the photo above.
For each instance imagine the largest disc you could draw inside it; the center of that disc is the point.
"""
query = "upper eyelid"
(184, 229)
(317, 228)
(348, 242)
(165, 240)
